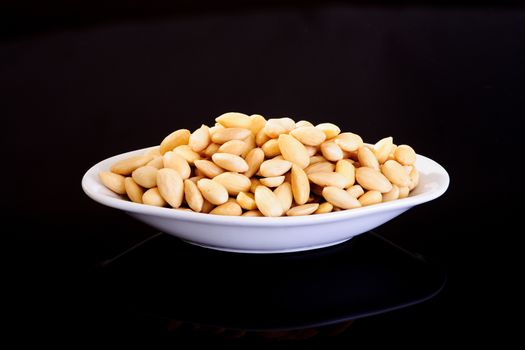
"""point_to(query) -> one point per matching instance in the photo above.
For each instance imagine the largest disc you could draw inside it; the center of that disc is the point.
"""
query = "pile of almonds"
(250, 166)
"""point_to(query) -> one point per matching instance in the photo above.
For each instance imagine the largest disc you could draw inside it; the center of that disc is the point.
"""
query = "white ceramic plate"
(266, 234)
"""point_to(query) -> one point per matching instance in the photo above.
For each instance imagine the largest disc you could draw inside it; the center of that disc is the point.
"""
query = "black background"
(81, 83)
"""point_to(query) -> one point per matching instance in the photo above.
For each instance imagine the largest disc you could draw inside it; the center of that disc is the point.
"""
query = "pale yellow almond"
(392, 195)
(228, 208)
(329, 129)
(325, 207)
(271, 148)
(414, 178)
(372, 179)
(212, 191)
(155, 152)
(234, 120)
(254, 159)
(302, 123)
(176, 138)
(246, 200)
(207, 206)
(230, 162)
(236, 147)
(211, 149)
(316, 159)
(309, 135)
(254, 183)
(383, 148)
(328, 179)
(257, 123)
(134, 191)
(405, 155)
(114, 182)
(347, 169)
(367, 158)
(195, 179)
(391, 156)
(349, 142)
(252, 213)
(208, 168)
(267, 202)
(157, 162)
(200, 139)
(278, 126)
(249, 145)
(355, 191)
(174, 161)
(274, 167)
(273, 181)
(403, 192)
(300, 185)
(153, 197)
(408, 168)
(171, 186)
(340, 198)
(305, 209)
(261, 138)
(293, 151)
(395, 173)
(331, 151)
(233, 182)
(371, 197)
(187, 153)
(214, 128)
(193, 196)
(145, 176)
(311, 150)
(128, 165)
(321, 167)
(221, 136)
(284, 193)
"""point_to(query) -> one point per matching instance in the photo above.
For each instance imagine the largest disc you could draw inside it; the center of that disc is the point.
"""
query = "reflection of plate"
(265, 234)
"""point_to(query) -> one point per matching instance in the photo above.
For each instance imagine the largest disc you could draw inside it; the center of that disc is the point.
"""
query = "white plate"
(266, 234)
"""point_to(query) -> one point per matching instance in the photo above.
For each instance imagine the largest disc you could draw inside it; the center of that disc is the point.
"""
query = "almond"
(208, 169)
(212, 191)
(228, 208)
(252, 213)
(246, 200)
(356, 191)
(305, 209)
(114, 182)
(274, 167)
(267, 202)
(254, 159)
(128, 165)
(193, 196)
(395, 173)
(271, 148)
(233, 182)
(257, 123)
(236, 147)
(340, 198)
(153, 197)
(134, 191)
(200, 139)
(383, 148)
(300, 185)
(372, 179)
(325, 167)
(405, 155)
(145, 176)
(224, 135)
(393, 194)
(234, 120)
(293, 151)
(284, 193)
(329, 129)
(174, 161)
(331, 151)
(347, 169)
(324, 208)
(187, 153)
(349, 142)
(277, 126)
(309, 135)
(403, 192)
(273, 181)
(176, 138)
(367, 158)
(370, 197)
(328, 179)
(230, 162)
(170, 186)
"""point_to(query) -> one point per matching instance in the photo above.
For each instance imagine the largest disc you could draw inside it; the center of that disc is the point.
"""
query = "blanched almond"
(254, 159)
(236, 147)
(212, 191)
(207, 168)
(367, 158)
(346, 168)
(356, 191)
(284, 193)
(395, 173)
(254, 183)
(311, 150)
(155, 152)
(174, 161)
(228, 208)
(370, 197)
(329, 129)
(145, 176)
(340, 198)
(267, 202)
(305, 209)
(349, 142)
(249, 145)
(200, 139)
(195, 179)
(206, 206)
(211, 149)
(134, 191)
(302, 123)
(293, 151)
(274, 167)
(273, 181)
(187, 153)
(221, 136)
(324, 167)
(328, 179)
(257, 123)
(316, 159)
(277, 126)
(392, 195)
(309, 135)
(331, 151)
(153, 197)
(246, 200)
(170, 186)
(383, 148)
(261, 138)
(325, 207)
(271, 148)
(114, 182)
(405, 155)
(176, 138)
(126, 166)
(156, 162)
(414, 178)
(230, 162)
(403, 192)
(233, 182)
(193, 196)
(300, 185)
(372, 179)
(234, 120)
(252, 213)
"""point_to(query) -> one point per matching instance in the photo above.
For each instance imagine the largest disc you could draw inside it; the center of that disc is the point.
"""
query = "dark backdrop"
(78, 85)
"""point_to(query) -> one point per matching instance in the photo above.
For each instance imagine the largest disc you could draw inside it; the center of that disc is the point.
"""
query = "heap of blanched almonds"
(250, 166)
